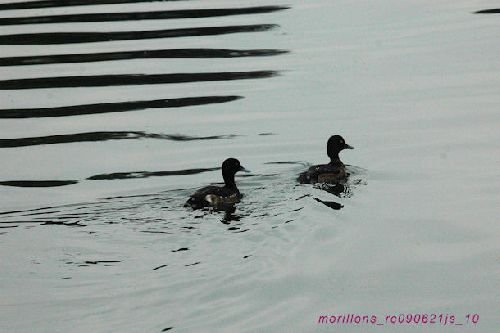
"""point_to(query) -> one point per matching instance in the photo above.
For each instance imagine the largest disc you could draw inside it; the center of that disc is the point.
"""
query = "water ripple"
(137, 16)
(146, 174)
(488, 11)
(76, 110)
(102, 136)
(38, 183)
(129, 79)
(144, 54)
(50, 38)
(67, 3)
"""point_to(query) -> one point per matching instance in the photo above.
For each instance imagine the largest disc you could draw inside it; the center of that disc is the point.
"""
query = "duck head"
(335, 145)
(229, 168)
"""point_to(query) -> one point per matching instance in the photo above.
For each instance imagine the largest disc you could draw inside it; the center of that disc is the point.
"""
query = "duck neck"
(229, 180)
(335, 160)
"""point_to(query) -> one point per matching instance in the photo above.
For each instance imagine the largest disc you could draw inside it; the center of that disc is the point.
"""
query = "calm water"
(113, 113)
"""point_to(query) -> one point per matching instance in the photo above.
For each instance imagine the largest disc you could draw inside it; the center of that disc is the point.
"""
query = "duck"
(332, 172)
(219, 197)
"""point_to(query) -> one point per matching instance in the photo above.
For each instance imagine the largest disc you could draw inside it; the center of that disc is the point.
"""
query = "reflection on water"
(77, 110)
(37, 183)
(128, 79)
(49, 38)
(145, 174)
(103, 136)
(272, 197)
(107, 176)
(343, 188)
(93, 232)
(489, 11)
(171, 14)
(146, 54)
(67, 38)
(65, 3)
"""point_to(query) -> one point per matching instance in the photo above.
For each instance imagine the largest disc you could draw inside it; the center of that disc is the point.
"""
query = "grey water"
(113, 112)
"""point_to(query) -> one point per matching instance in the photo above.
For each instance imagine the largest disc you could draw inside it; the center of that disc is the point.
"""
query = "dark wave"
(95, 262)
(332, 204)
(67, 224)
(146, 54)
(137, 16)
(101, 136)
(76, 110)
(488, 11)
(146, 174)
(38, 183)
(128, 79)
(286, 162)
(66, 3)
(49, 38)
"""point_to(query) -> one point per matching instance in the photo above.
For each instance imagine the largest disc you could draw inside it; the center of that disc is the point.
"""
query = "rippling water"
(113, 112)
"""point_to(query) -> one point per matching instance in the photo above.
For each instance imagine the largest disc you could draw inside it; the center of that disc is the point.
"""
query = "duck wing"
(322, 173)
(213, 196)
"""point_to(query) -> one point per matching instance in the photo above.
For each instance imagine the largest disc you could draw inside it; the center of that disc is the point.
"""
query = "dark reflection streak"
(240, 231)
(65, 3)
(76, 110)
(286, 162)
(161, 266)
(100, 136)
(79, 206)
(48, 38)
(137, 16)
(38, 183)
(130, 196)
(332, 204)
(193, 264)
(337, 189)
(128, 79)
(146, 174)
(488, 11)
(74, 224)
(146, 54)
(69, 215)
(11, 212)
(41, 213)
(181, 249)
(58, 218)
(26, 222)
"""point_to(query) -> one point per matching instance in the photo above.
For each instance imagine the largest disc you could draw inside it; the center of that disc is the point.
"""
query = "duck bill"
(243, 169)
(346, 146)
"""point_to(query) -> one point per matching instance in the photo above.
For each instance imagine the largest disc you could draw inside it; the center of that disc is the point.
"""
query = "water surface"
(113, 112)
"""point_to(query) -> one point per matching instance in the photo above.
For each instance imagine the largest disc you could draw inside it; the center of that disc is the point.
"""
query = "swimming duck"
(328, 173)
(219, 196)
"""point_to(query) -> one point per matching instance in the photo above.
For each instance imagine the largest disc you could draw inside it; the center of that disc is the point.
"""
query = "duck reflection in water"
(230, 216)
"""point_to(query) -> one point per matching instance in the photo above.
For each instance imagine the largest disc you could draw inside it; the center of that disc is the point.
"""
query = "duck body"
(324, 173)
(219, 197)
(332, 172)
(214, 196)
